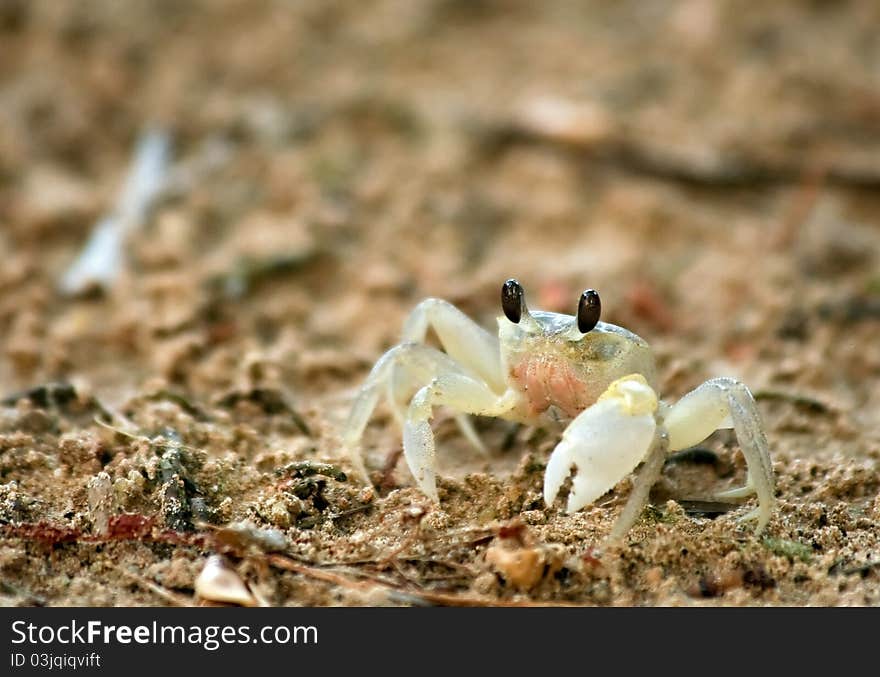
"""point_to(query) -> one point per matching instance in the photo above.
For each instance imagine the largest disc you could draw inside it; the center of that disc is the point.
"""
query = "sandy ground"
(712, 171)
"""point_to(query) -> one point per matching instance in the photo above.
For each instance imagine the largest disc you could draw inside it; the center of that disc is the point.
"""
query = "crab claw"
(605, 442)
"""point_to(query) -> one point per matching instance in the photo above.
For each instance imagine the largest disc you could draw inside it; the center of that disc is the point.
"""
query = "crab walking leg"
(466, 342)
(727, 403)
(459, 392)
(399, 368)
(462, 338)
(638, 498)
(466, 426)
(400, 390)
(396, 386)
(604, 443)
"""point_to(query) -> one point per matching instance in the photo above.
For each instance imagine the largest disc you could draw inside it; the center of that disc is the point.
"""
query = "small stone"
(522, 568)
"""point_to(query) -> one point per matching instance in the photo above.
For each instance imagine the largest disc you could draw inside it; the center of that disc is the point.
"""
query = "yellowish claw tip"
(633, 393)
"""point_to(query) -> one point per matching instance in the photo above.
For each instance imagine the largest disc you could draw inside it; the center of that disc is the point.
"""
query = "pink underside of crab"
(545, 381)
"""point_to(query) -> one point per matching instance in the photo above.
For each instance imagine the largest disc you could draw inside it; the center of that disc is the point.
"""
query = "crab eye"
(589, 309)
(512, 300)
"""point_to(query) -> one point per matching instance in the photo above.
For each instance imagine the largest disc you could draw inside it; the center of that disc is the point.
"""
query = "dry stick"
(862, 568)
(167, 595)
(449, 564)
(288, 564)
(387, 561)
(428, 559)
(412, 580)
(632, 156)
(398, 594)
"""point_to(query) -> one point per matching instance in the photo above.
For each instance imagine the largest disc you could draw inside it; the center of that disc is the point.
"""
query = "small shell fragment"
(218, 583)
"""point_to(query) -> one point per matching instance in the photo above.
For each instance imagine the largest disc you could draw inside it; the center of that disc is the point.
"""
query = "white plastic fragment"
(103, 256)
(218, 583)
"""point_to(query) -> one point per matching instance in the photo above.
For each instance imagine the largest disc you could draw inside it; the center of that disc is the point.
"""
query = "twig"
(861, 569)
(288, 564)
(454, 566)
(803, 401)
(616, 149)
(167, 595)
(397, 594)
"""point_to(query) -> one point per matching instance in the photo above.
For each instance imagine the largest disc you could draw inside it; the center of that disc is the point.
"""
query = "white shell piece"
(604, 443)
(218, 583)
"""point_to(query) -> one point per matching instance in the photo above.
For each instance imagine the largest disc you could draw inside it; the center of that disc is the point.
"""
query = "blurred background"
(306, 172)
(710, 167)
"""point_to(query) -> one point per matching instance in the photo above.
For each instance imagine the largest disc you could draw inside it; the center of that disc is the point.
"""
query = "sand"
(711, 171)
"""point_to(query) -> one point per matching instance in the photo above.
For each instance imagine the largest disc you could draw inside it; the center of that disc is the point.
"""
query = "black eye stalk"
(512, 300)
(589, 310)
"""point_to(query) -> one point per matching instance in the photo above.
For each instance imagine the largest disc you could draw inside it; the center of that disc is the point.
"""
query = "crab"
(600, 376)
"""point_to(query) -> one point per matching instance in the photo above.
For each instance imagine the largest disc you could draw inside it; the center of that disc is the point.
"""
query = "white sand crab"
(601, 375)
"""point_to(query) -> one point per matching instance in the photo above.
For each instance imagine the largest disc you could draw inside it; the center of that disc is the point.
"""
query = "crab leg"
(400, 388)
(638, 497)
(460, 392)
(398, 369)
(727, 403)
(463, 339)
